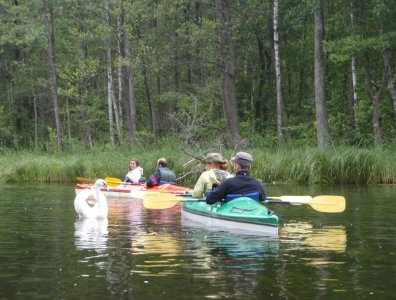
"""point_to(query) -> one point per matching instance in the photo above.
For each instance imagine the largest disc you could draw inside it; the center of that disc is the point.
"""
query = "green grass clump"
(344, 165)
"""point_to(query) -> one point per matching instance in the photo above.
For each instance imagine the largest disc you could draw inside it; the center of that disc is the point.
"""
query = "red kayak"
(135, 191)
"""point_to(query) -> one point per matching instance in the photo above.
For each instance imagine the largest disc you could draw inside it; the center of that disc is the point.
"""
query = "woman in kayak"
(135, 172)
(240, 185)
(216, 171)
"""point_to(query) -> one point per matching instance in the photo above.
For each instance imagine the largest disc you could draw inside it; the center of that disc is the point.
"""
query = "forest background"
(306, 86)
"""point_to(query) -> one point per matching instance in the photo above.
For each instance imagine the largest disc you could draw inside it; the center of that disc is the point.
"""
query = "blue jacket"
(242, 183)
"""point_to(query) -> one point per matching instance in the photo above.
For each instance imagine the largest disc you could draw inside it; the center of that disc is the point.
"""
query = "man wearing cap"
(241, 184)
(215, 173)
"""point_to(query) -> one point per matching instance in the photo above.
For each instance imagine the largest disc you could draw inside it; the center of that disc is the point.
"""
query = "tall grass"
(339, 165)
(301, 164)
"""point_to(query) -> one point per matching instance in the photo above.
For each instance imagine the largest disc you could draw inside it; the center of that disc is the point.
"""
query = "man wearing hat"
(215, 173)
(241, 184)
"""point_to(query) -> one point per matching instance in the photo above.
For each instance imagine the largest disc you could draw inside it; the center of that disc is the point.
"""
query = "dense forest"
(116, 72)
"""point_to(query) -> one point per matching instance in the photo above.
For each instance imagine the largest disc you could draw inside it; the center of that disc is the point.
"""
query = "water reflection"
(350, 255)
(91, 233)
(229, 260)
(302, 235)
(206, 242)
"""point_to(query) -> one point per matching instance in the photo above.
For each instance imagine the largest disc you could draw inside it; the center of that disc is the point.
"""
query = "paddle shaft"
(110, 181)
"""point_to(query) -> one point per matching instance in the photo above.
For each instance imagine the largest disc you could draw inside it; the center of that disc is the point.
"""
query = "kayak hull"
(241, 215)
(135, 191)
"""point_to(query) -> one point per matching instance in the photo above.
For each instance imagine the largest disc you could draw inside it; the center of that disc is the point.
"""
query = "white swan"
(92, 203)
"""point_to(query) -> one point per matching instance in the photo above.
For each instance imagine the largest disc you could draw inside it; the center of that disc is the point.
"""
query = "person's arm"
(218, 194)
(127, 179)
(154, 179)
(199, 188)
(262, 195)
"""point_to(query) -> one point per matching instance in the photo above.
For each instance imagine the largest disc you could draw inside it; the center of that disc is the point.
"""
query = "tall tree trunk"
(110, 87)
(121, 55)
(198, 23)
(322, 125)
(149, 94)
(110, 93)
(128, 73)
(373, 93)
(258, 105)
(86, 134)
(68, 119)
(354, 91)
(35, 110)
(354, 79)
(389, 78)
(280, 105)
(52, 62)
(228, 62)
(131, 98)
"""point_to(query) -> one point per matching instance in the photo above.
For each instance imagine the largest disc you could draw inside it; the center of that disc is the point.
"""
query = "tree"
(280, 105)
(322, 125)
(228, 64)
(48, 20)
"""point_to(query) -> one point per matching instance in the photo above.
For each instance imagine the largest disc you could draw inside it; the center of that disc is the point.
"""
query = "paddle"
(329, 204)
(110, 181)
(82, 179)
(324, 203)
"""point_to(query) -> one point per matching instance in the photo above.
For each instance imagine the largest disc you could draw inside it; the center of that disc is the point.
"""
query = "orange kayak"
(135, 191)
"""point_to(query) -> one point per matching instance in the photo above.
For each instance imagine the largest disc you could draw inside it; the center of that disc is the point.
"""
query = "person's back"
(162, 175)
(215, 173)
(241, 184)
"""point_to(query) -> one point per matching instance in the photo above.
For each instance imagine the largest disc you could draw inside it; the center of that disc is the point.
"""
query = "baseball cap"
(243, 158)
(214, 157)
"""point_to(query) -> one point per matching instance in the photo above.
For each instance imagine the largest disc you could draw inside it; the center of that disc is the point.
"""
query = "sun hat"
(243, 158)
(214, 158)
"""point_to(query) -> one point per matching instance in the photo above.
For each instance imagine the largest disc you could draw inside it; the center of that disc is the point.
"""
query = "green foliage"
(176, 59)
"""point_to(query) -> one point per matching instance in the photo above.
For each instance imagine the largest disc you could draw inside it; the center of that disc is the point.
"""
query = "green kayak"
(241, 214)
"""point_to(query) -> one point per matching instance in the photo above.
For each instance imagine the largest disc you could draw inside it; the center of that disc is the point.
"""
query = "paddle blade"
(329, 204)
(112, 181)
(160, 200)
(82, 179)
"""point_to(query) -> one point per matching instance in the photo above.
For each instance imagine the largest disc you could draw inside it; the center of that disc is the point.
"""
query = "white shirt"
(135, 174)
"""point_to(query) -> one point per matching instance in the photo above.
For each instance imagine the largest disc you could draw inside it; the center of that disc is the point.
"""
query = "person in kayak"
(240, 185)
(216, 172)
(162, 175)
(135, 172)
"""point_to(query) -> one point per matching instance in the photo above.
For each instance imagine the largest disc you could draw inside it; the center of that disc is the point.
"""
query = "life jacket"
(167, 176)
(254, 196)
(219, 177)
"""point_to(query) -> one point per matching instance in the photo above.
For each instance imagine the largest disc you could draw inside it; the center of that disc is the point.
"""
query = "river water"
(47, 253)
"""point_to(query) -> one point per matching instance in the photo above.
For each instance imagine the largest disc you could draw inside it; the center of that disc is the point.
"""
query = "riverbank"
(342, 165)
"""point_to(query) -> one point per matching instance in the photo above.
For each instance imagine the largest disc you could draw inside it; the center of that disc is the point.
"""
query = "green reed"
(344, 165)
(339, 165)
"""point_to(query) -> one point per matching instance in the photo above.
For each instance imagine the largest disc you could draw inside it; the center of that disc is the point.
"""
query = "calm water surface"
(47, 253)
